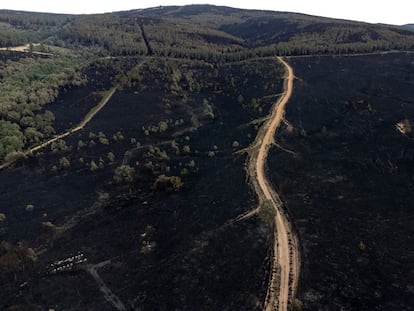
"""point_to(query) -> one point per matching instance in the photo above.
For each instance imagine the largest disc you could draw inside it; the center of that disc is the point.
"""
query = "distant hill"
(202, 31)
(409, 26)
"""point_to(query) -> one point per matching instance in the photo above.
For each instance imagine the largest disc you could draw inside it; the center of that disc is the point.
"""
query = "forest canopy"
(61, 47)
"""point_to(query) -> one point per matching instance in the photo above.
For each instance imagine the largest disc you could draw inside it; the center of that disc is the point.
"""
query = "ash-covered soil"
(132, 211)
(348, 183)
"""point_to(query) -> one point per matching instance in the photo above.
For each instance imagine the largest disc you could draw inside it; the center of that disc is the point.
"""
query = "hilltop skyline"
(397, 12)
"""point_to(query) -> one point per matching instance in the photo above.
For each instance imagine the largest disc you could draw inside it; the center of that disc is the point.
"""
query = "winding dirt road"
(86, 119)
(286, 261)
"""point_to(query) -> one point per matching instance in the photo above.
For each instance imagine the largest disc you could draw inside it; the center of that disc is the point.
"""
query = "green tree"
(267, 213)
(103, 140)
(111, 157)
(11, 138)
(32, 135)
(168, 183)
(163, 126)
(81, 144)
(186, 148)
(184, 171)
(92, 166)
(124, 174)
(15, 156)
(59, 146)
(362, 246)
(207, 109)
(64, 163)
(296, 305)
(118, 136)
(175, 147)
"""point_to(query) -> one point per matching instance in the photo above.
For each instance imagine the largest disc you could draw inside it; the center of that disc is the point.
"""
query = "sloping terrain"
(123, 142)
(144, 198)
(193, 31)
(349, 182)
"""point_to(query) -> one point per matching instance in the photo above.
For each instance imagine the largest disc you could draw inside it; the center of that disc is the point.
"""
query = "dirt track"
(25, 49)
(285, 264)
(80, 126)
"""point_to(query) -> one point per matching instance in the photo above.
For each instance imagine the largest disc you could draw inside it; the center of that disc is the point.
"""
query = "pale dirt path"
(285, 263)
(89, 116)
(25, 49)
(20, 48)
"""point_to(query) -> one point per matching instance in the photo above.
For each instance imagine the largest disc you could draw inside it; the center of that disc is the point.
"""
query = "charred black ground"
(349, 186)
(134, 211)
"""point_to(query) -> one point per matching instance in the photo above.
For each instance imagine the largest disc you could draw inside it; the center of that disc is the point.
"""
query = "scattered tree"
(362, 246)
(186, 148)
(168, 183)
(111, 157)
(175, 147)
(11, 138)
(184, 171)
(267, 213)
(104, 140)
(15, 156)
(81, 144)
(235, 144)
(92, 166)
(118, 136)
(296, 305)
(163, 126)
(64, 163)
(404, 127)
(124, 174)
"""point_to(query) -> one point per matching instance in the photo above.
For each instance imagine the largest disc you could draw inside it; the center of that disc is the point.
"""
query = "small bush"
(15, 156)
(267, 213)
(64, 163)
(110, 157)
(124, 173)
(104, 140)
(93, 166)
(168, 183)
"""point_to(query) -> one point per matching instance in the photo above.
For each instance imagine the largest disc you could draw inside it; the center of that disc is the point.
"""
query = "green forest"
(70, 43)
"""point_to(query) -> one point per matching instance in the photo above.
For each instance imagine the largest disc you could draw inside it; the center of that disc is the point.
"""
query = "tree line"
(26, 86)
